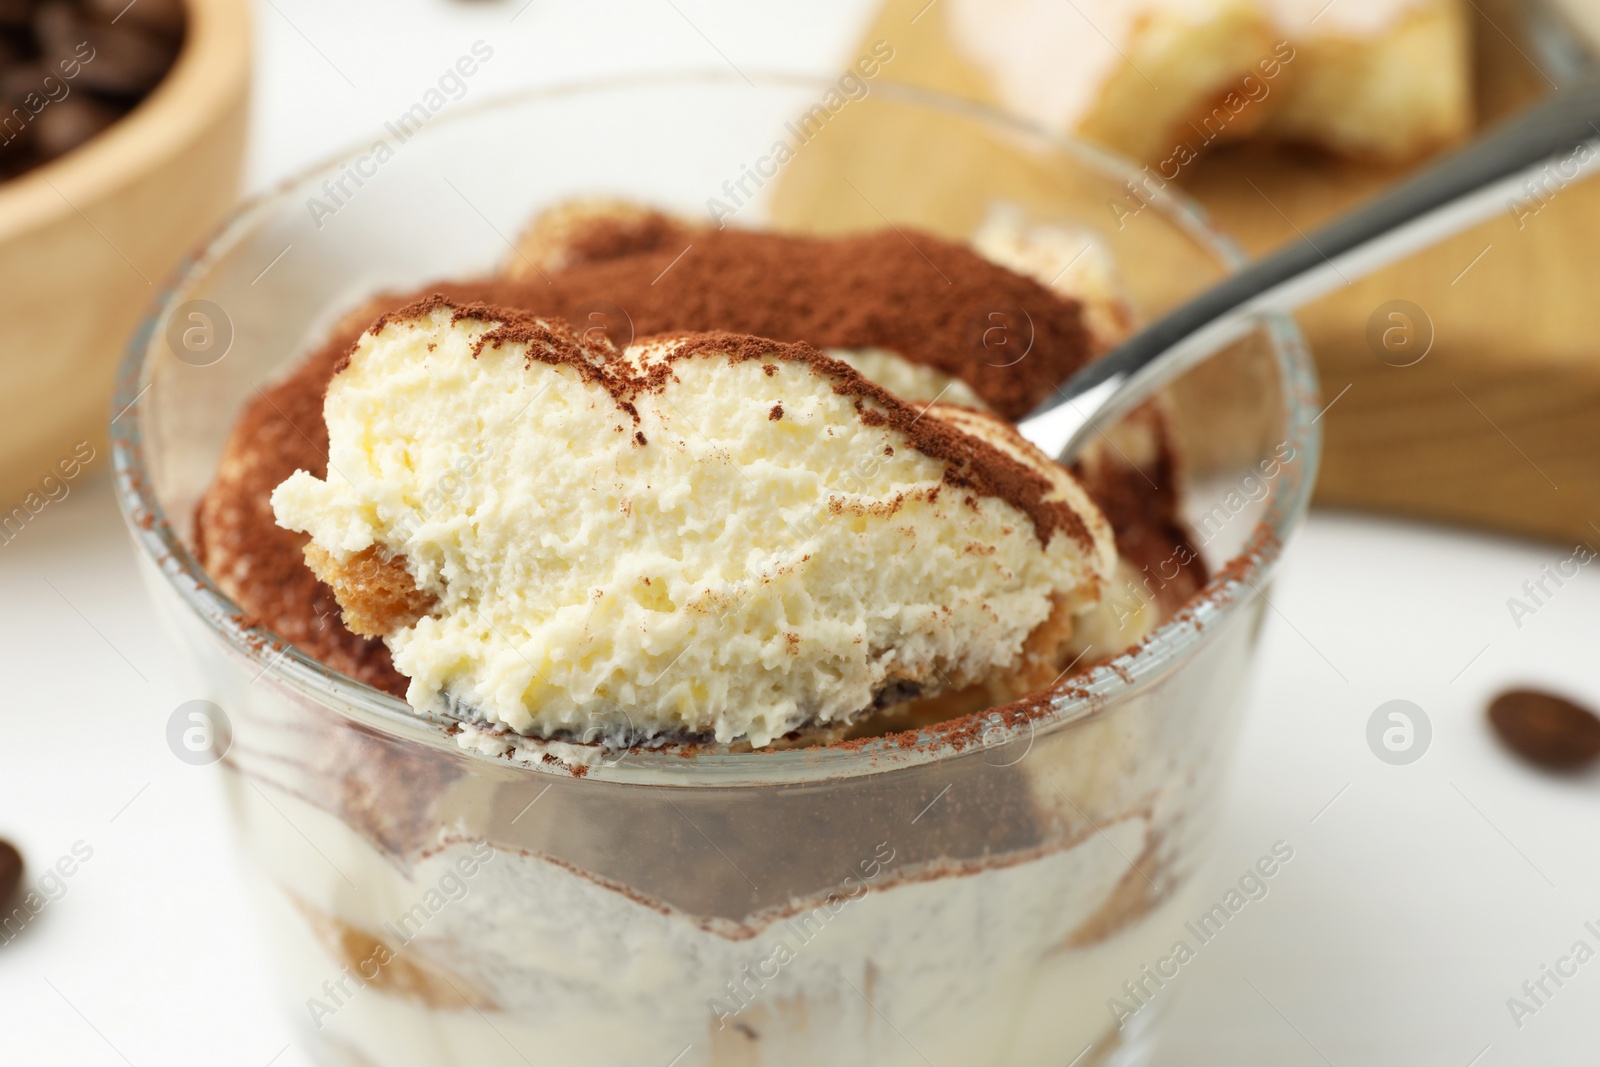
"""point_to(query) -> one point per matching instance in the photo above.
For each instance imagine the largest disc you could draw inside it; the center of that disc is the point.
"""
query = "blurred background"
(1462, 390)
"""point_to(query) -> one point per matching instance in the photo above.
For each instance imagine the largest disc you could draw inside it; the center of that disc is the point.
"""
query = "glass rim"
(1094, 694)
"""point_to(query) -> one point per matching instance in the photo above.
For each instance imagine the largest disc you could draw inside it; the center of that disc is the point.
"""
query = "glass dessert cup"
(975, 893)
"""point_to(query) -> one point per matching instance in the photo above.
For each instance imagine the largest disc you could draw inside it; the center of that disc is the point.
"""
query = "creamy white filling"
(747, 556)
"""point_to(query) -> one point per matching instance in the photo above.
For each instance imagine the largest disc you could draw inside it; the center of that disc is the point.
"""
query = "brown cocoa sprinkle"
(1546, 730)
(258, 563)
(611, 237)
(10, 871)
(776, 413)
(1144, 511)
(921, 296)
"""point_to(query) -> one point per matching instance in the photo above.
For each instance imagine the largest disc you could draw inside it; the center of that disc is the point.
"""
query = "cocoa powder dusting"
(926, 298)
(612, 238)
(260, 565)
(1142, 506)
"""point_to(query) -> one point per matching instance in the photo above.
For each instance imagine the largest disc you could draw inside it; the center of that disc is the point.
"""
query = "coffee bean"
(70, 68)
(63, 126)
(16, 120)
(127, 60)
(10, 871)
(16, 13)
(163, 16)
(1545, 729)
(20, 79)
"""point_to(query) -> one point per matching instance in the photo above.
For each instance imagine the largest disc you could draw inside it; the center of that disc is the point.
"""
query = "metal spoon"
(1552, 145)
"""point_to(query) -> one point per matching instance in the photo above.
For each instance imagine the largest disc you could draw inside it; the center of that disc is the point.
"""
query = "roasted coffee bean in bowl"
(121, 138)
(73, 67)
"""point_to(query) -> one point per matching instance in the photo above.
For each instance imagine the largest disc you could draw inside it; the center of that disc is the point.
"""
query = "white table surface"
(1419, 898)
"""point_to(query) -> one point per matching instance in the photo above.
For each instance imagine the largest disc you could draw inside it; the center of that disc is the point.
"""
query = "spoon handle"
(1517, 167)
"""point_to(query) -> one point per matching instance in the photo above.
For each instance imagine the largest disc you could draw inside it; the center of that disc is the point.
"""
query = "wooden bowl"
(87, 240)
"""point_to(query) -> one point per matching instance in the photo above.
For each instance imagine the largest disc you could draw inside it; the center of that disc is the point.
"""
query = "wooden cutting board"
(1498, 425)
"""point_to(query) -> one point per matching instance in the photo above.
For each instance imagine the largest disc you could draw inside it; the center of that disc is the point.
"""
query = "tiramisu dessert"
(663, 488)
